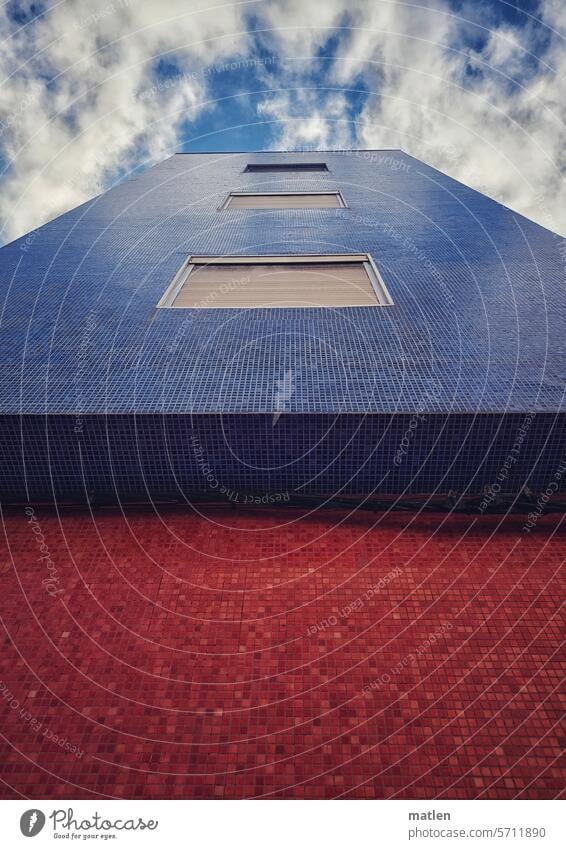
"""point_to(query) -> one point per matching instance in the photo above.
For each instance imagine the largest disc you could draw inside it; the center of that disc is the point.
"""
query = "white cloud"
(309, 119)
(491, 114)
(98, 116)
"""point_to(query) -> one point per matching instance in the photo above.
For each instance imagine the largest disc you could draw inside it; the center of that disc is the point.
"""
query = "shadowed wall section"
(149, 457)
(435, 391)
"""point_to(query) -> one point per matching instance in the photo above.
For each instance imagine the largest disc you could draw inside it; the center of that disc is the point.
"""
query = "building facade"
(348, 322)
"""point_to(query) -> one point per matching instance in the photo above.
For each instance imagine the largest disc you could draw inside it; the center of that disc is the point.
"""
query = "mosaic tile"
(269, 653)
(475, 333)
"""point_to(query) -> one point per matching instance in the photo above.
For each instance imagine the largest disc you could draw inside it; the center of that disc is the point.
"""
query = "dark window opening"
(286, 166)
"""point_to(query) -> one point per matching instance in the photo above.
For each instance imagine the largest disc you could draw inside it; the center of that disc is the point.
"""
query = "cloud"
(486, 104)
(79, 106)
(309, 119)
(91, 91)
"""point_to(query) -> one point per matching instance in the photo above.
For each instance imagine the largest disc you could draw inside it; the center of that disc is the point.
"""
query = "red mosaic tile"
(276, 654)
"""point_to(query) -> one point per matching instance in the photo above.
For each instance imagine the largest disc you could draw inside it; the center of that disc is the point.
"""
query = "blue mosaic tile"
(172, 456)
(476, 329)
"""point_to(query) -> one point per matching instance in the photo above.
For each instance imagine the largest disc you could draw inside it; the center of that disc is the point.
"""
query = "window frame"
(382, 295)
(337, 193)
(286, 168)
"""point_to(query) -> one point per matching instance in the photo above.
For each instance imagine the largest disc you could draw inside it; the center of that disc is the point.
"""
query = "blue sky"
(93, 89)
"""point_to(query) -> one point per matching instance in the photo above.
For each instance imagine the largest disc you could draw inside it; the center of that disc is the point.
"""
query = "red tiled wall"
(256, 654)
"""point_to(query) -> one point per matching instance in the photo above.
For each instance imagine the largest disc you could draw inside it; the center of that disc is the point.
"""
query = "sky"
(93, 90)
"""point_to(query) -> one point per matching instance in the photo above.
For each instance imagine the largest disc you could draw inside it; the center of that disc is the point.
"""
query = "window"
(333, 280)
(285, 166)
(284, 200)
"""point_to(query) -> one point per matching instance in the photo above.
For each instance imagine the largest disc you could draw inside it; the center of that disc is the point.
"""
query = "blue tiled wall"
(476, 329)
(151, 457)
